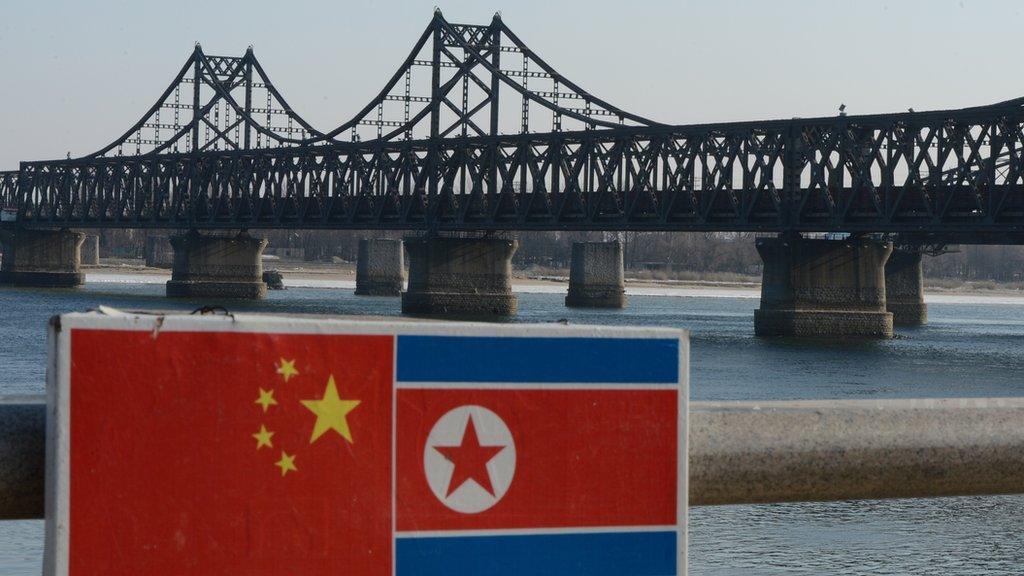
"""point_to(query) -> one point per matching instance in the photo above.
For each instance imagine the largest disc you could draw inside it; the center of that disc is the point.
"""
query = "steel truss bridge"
(476, 132)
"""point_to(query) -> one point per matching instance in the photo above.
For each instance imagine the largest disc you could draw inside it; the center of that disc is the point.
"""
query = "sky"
(76, 74)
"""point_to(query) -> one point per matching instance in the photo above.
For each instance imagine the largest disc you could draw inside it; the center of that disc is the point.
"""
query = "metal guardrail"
(740, 452)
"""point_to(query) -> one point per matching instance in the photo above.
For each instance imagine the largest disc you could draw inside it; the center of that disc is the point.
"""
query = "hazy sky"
(76, 74)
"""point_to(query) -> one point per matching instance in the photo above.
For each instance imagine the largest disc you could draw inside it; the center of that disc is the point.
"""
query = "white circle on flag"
(469, 459)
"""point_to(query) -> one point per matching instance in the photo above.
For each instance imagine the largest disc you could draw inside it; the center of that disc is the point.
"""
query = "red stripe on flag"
(172, 472)
(583, 458)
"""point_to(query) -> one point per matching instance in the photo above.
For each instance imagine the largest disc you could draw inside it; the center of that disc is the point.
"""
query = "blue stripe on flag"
(596, 554)
(537, 360)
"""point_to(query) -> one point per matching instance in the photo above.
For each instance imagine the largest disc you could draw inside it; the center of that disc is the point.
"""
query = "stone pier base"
(217, 267)
(596, 278)
(42, 258)
(823, 288)
(158, 252)
(460, 277)
(90, 250)
(380, 270)
(904, 289)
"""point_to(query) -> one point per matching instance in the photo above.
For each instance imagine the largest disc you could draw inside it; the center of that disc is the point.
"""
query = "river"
(972, 346)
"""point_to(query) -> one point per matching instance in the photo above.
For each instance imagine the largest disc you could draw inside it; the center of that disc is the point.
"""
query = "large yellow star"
(266, 399)
(287, 369)
(331, 412)
(286, 463)
(263, 438)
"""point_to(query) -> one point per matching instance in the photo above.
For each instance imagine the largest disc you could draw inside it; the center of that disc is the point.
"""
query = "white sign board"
(271, 445)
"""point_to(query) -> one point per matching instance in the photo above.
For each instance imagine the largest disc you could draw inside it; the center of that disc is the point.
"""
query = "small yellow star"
(331, 412)
(266, 399)
(263, 438)
(286, 463)
(287, 369)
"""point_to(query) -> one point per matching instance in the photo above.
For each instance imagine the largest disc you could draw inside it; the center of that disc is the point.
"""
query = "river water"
(971, 347)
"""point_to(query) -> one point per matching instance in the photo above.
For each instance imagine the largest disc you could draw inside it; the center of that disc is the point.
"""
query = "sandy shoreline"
(342, 276)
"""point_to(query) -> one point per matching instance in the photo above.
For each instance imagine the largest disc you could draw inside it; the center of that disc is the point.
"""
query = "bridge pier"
(217, 266)
(904, 289)
(159, 253)
(823, 288)
(42, 258)
(380, 269)
(460, 276)
(90, 250)
(596, 278)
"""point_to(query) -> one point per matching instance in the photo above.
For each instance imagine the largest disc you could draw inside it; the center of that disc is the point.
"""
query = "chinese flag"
(230, 453)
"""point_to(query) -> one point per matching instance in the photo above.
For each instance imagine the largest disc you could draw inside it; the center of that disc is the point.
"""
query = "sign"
(184, 445)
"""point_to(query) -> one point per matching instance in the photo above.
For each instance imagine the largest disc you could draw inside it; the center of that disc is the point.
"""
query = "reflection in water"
(968, 349)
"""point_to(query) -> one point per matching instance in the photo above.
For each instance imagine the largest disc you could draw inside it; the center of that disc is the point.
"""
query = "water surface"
(971, 347)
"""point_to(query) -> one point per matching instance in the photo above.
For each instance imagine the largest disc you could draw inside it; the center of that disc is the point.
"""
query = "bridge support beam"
(823, 288)
(460, 277)
(380, 270)
(91, 250)
(596, 278)
(217, 266)
(904, 289)
(42, 258)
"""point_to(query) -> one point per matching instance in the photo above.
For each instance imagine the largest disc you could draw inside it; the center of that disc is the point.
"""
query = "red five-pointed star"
(470, 460)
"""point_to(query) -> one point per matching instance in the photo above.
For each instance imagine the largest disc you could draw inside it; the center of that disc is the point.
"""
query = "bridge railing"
(739, 452)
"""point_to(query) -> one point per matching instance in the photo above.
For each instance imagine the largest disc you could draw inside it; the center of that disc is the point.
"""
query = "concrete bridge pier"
(90, 250)
(380, 270)
(823, 288)
(460, 276)
(42, 258)
(207, 266)
(904, 289)
(596, 278)
(159, 253)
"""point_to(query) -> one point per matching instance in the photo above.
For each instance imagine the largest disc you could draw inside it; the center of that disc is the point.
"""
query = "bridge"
(221, 148)
(476, 133)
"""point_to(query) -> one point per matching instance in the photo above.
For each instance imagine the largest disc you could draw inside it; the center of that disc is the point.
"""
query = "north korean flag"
(539, 455)
(279, 447)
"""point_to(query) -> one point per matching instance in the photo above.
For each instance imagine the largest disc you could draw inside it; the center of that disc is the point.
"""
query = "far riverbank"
(342, 276)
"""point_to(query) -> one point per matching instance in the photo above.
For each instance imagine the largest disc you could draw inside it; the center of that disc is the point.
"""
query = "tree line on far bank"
(662, 254)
